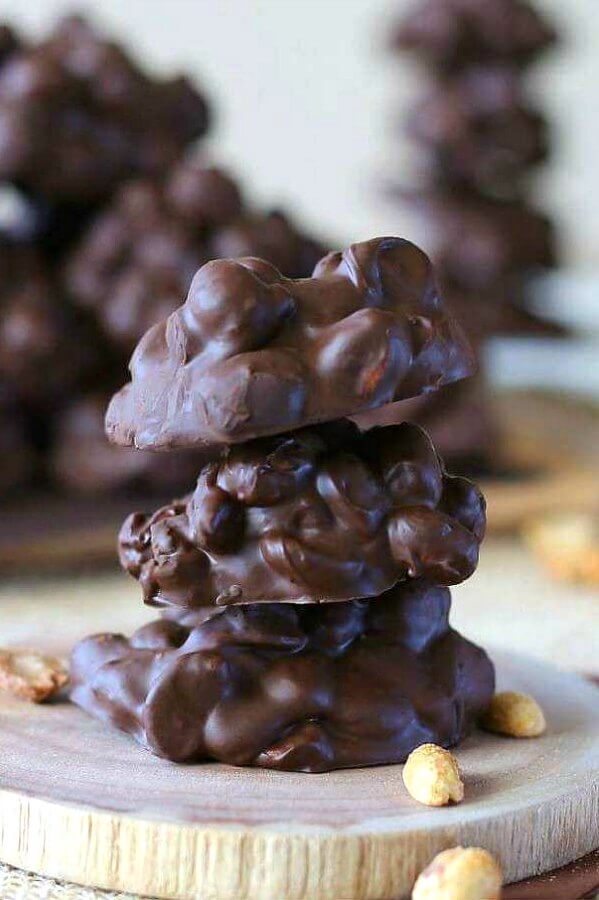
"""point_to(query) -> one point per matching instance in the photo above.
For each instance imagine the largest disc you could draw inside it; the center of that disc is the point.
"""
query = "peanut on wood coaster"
(514, 714)
(31, 675)
(431, 775)
(462, 873)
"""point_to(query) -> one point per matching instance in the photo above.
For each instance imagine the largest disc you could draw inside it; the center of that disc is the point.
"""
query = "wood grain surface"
(81, 803)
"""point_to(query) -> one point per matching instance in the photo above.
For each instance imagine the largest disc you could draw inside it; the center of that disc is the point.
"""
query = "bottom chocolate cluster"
(296, 687)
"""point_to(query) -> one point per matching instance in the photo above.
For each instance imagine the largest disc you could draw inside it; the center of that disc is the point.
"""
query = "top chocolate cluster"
(77, 115)
(251, 353)
(451, 33)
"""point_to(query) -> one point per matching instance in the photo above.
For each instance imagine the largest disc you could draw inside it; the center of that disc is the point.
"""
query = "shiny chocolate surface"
(299, 688)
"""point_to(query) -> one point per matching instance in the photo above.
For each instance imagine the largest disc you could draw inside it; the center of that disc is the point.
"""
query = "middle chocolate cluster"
(302, 584)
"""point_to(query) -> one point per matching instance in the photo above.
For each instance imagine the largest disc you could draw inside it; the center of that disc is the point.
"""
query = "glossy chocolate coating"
(77, 116)
(289, 687)
(319, 515)
(477, 130)
(139, 255)
(251, 353)
(451, 33)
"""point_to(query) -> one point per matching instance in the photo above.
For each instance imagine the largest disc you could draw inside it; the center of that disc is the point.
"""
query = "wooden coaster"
(81, 803)
(575, 881)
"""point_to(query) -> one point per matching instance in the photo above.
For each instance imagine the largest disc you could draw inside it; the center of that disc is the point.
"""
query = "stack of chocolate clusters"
(303, 585)
(479, 138)
(104, 217)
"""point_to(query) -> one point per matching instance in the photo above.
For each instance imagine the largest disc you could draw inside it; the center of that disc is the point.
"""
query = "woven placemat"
(17, 885)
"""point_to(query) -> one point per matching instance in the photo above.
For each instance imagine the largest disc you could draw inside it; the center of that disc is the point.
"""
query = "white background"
(309, 98)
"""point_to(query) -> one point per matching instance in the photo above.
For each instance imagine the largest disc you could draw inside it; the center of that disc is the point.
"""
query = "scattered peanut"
(432, 776)
(517, 715)
(31, 675)
(462, 873)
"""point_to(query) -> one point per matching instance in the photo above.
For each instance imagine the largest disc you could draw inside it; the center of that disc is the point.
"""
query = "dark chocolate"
(42, 354)
(477, 130)
(449, 34)
(16, 449)
(251, 353)
(289, 687)
(9, 42)
(319, 515)
(457, 419)
(77, 116)
(139, 255)
(479, 244)
(271, 237)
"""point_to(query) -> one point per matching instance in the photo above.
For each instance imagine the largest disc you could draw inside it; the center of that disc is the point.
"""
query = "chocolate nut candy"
(290, 687)
(450, 33)
(43, 348)
(77, 116)
(478, 130)
(251, 353)
(321, 515)
(139, 255)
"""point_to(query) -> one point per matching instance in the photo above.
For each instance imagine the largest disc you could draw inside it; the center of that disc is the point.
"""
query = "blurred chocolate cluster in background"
(106, 212)
(479, 137)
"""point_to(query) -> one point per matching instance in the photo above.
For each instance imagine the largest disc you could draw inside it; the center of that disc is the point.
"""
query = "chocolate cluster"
(251, 353)
(104, 219)
(77, 116)
(317, 515)
(291, 687)
(302, 584)
(479, 137)
(478, 129)
(42, 354)
(451, 34)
